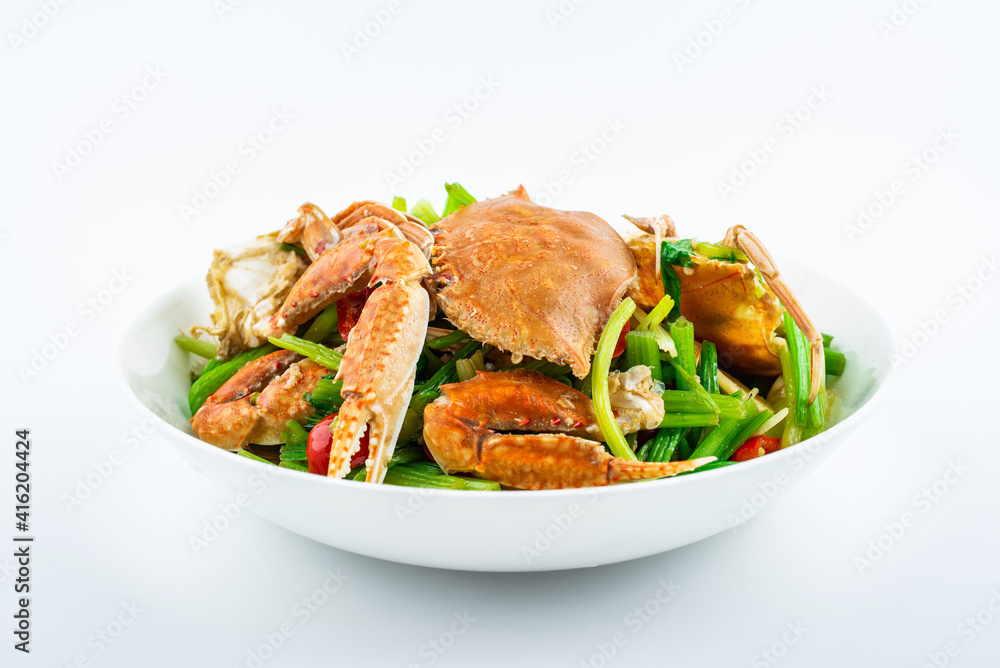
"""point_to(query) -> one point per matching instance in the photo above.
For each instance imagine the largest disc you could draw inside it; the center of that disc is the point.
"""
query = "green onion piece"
(292, 248)
(793, 431)
(399, 204)
(747, 428)
(413, 420)
(658, 314)
(465, 370)
(691, 382)
(325, 398)
(720, 440)
(433, 362)
(641, 348)
(323, 325)
(294, 435)
(721, 252)
(798, 348)
(599, 388)
(672, 289)
(709, 372)
(835, 361)
(827, 339)
(209, 382)
(295, 466)
(817, 409)
(447, 340)
(424, 211)
(678, 420)
(685, 401)
(665, 443)
(682, 332)
(316, 352)
(189, 344)
(250, 455)
(210, 365)
(458, 197)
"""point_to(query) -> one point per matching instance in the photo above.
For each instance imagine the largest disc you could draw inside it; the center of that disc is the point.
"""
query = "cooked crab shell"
(534, 281)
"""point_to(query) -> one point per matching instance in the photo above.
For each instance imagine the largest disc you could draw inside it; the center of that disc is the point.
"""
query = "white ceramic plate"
(506, 531)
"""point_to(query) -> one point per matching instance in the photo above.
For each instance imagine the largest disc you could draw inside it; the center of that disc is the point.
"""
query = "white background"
(684, 128)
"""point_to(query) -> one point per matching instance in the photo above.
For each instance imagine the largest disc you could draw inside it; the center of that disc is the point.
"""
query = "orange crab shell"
(529, 279)
(720, 299)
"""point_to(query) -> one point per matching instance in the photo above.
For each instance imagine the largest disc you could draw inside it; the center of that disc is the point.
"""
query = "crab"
(725, 301)
(557, 440)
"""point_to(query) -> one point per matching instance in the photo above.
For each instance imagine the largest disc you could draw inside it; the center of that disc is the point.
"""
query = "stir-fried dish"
(502, 345)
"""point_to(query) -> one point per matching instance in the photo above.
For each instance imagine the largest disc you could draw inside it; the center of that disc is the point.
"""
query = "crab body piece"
(728, 305)
(534, 281)
(254, 405)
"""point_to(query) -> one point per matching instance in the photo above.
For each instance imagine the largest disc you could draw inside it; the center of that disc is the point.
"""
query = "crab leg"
(460, 432)
(381, 358)
(335, 273)
(740, 237)
(313, 229)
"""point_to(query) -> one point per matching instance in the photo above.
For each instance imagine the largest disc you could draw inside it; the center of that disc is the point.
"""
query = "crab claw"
(313, 229)
(381, 358)
(740, 237)
(461, 429)
(254, 405)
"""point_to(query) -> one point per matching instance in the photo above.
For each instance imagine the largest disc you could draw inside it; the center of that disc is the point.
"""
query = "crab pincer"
(381, 358)
(554, 441)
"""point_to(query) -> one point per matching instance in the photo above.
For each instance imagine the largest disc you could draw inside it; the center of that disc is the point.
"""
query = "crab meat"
(254, 405)
(531, 280)
(247, 284)
(555, 446)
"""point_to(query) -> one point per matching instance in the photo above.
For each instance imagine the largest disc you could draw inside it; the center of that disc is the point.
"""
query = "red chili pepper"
(319, 443)
(756, 446)
(349, 311)
(620, 346)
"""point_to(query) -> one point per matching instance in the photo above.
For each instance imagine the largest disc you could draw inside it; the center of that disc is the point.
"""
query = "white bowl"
(506, 531)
